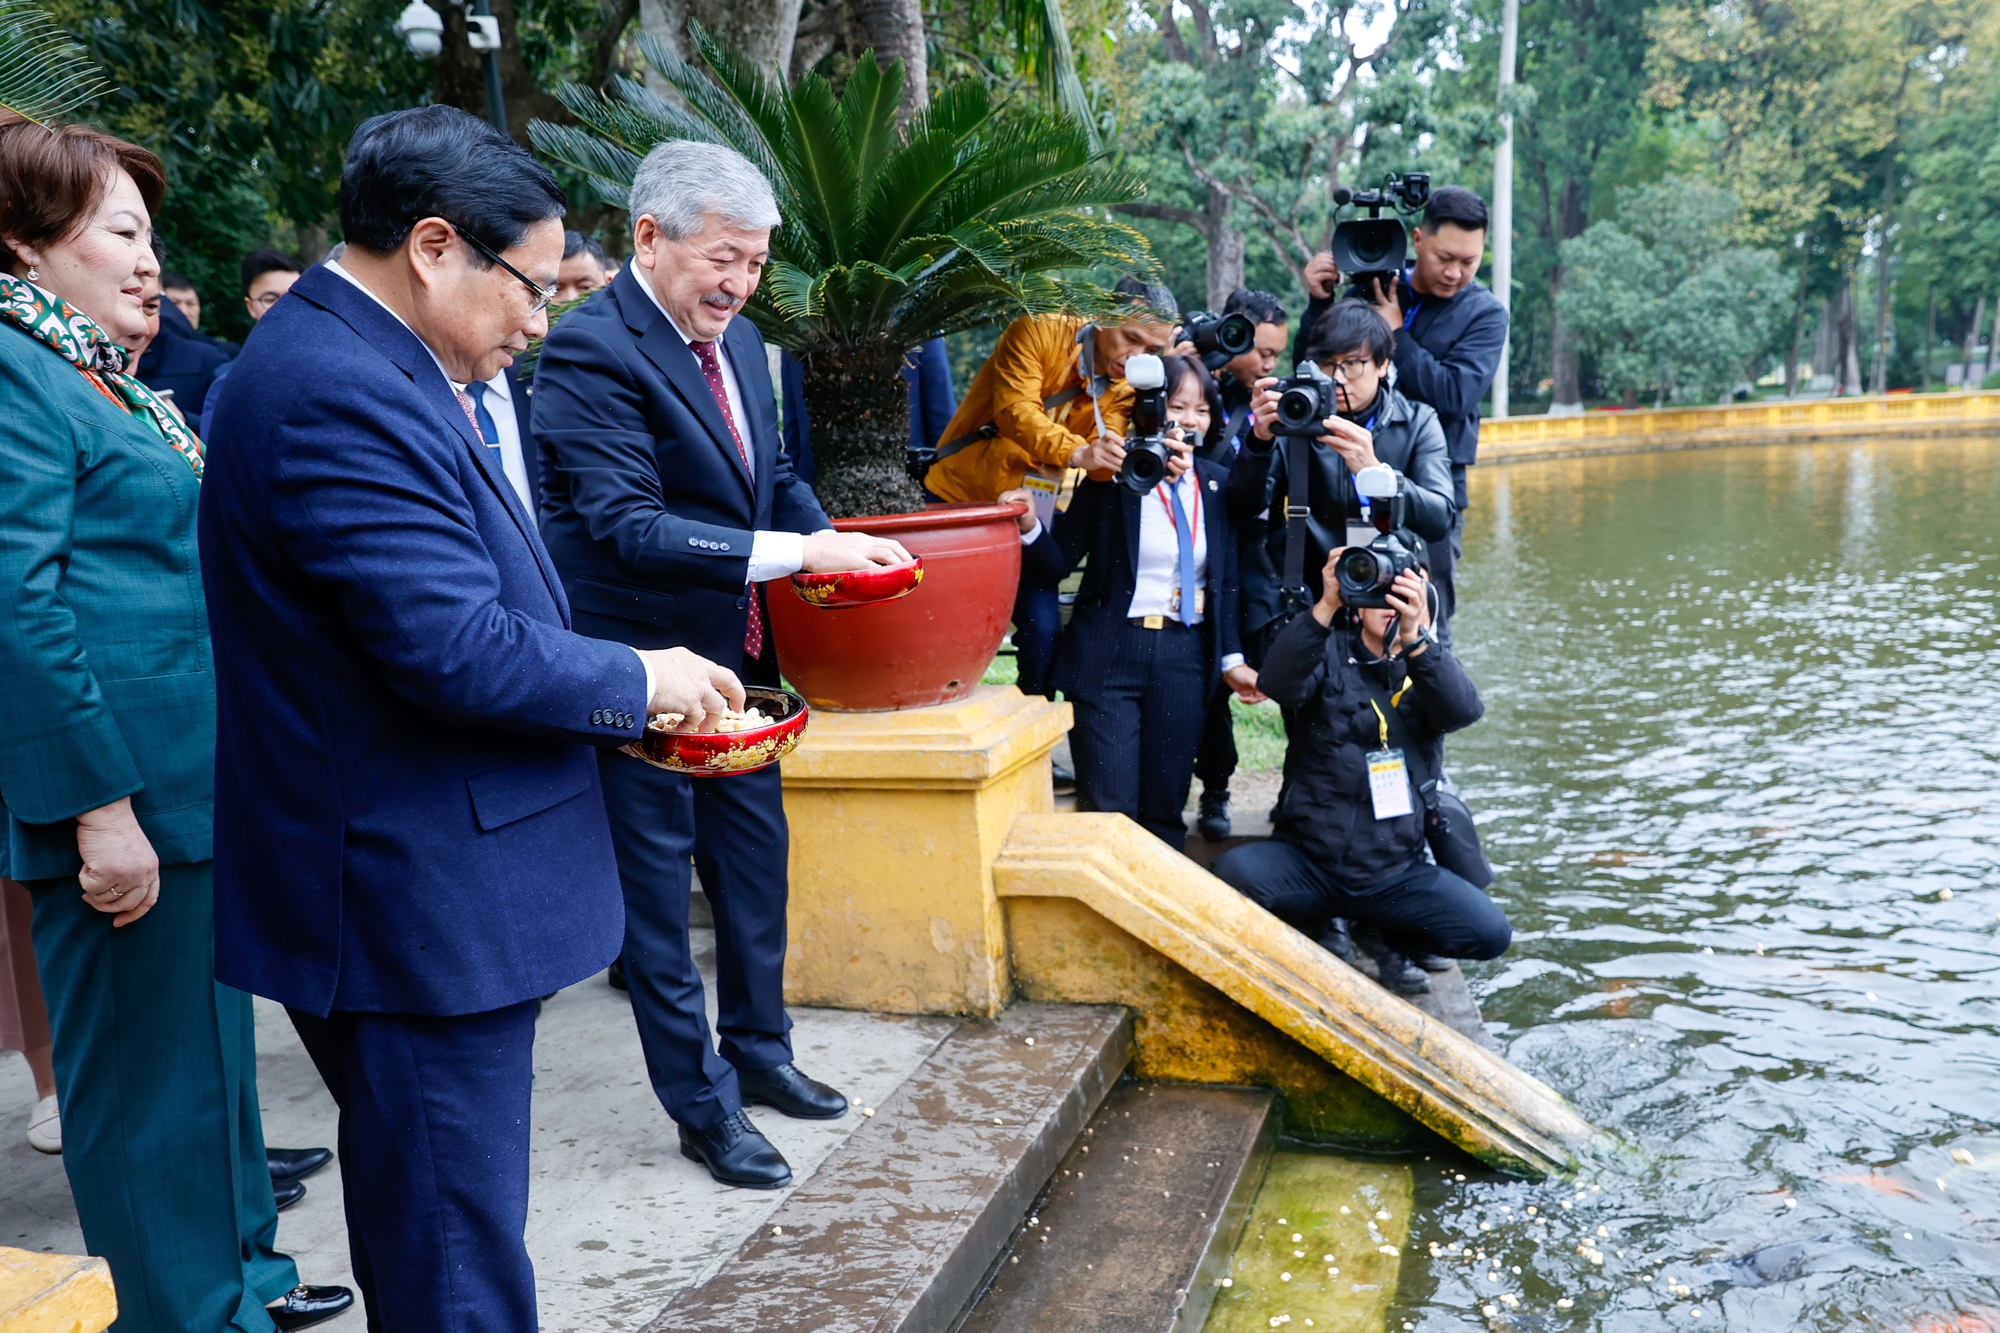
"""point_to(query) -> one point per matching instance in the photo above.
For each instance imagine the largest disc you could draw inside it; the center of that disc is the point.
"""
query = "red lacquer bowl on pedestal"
(710, 754)
(859, 587)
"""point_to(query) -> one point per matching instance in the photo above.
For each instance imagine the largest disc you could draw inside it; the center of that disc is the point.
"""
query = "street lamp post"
(1503, 198)
(423, 31)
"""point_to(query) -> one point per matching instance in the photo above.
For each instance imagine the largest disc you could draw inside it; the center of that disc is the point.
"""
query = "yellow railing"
(1672, 427)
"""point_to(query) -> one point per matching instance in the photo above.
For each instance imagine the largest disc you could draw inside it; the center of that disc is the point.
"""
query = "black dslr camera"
(1146, 442)
(1219, 339)
(1306, 399)
(1375, 248)
(1365, 574)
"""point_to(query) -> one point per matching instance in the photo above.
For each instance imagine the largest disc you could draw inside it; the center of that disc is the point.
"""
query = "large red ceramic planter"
(930, 647)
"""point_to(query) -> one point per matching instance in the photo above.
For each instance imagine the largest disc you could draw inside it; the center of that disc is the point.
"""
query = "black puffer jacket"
(1319, 677)
(1407, 438)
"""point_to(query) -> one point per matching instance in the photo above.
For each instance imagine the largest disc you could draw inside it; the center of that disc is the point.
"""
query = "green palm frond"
(891, 235)
(44, 73)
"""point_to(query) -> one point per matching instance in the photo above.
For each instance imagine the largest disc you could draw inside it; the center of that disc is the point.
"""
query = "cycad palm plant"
(891, 235)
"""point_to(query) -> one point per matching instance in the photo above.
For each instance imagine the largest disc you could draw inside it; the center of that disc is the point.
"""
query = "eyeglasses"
(541, 295)
(1353, 366)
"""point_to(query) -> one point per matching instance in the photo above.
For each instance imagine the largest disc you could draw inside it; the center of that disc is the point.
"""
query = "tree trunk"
(1798, 339)
(1930, 339)
(1225, 249)
(762, 30)
(1572, 216)
(1972, 341)
(1881, 376)
(1826, 347)
(1849, 339)
(860, 408)
(893, 30)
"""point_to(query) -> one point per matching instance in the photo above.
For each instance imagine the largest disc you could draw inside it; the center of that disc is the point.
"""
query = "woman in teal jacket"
(107, 758)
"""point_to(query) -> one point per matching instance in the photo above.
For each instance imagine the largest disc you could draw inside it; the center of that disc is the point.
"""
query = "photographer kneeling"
(1348, 840)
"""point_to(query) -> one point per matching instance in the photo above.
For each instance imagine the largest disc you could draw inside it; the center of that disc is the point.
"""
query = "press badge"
(1389, 784)
(1042, 492)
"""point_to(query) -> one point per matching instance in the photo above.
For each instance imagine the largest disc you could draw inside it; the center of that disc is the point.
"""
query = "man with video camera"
(1371, 693)
(1344, 416)
(1452, 331)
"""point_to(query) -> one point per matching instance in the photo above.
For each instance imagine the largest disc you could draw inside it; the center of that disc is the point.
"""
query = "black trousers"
(1138, 721)
(1215, 760)
(732, 829)
(1421, 908)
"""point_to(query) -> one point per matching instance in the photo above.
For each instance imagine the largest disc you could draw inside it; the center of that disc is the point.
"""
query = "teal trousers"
(156, 1067)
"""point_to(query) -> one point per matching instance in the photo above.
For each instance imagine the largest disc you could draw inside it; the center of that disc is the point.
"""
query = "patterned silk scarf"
(77, 339)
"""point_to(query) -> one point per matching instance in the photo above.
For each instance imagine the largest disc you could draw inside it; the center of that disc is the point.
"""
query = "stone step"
(897, 1229)
(1137, 1227)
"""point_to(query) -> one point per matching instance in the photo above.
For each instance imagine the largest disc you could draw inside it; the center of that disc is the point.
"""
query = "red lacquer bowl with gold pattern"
(711, 754)
(859, 587)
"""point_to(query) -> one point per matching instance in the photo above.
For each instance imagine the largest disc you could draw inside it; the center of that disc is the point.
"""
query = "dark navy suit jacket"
(407, 810)
(182, 360)
(647, 508)
(1102, 525)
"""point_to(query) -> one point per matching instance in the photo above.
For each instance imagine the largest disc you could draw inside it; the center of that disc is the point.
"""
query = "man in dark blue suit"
(668, 503)
(410, 840)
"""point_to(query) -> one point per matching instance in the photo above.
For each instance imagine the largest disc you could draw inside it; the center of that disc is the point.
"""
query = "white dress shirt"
(1158, 576)
(500, 402)
(506, 425)
(773, 555)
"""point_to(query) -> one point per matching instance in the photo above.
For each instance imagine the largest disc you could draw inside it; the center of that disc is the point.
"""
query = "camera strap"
(1297, 510)
(991, 429)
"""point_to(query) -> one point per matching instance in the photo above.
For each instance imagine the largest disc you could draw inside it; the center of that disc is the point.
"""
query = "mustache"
(721, 301)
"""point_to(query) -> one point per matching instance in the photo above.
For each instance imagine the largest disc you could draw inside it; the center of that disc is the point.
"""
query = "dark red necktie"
(711, 370)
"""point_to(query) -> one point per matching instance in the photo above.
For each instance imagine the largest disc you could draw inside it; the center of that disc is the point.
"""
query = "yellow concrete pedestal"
(54, 1293)
(896, 821)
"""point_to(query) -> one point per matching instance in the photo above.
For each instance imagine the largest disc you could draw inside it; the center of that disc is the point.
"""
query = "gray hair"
(682, 181)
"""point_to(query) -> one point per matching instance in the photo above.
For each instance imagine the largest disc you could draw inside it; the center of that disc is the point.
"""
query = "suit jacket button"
(625, 720)
(694, 541)
(597, 718)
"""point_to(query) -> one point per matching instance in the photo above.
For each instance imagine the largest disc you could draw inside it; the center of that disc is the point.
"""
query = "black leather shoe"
(616, 976)
(737, 1153)
(1336, 940)
(1065, 781)
(1214, 820)
(296, 1163)
(303, 1306)
(287, 1192)
(791, 1093)
(1397, 973)
(1433, 962)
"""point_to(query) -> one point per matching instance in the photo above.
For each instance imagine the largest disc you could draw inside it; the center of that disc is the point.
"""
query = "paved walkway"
(618, 1219)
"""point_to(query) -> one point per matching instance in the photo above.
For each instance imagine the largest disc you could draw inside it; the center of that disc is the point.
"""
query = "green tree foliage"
(891, 235)
(1666, 299)
(249, 104)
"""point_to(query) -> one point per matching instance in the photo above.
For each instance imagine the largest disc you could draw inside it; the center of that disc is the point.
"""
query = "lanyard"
(1381, 721)
(1194, 523)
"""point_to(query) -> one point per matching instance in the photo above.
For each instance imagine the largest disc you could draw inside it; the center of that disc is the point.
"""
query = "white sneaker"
(45, 1126)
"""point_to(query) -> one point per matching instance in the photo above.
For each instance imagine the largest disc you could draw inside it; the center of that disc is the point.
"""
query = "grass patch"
(1260, 736)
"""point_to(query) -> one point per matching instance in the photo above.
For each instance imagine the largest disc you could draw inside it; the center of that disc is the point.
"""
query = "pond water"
(1740, 768)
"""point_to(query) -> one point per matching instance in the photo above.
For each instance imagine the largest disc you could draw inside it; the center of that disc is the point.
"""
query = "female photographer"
(1372, 423)
(1345, 847)
(1140, 654)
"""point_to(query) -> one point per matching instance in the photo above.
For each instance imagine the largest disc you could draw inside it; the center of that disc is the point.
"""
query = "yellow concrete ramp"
(1134, 891)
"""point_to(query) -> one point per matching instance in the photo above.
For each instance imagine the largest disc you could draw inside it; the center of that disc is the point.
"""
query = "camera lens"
(1361, 570)
(1298, 407)
(1235, 334)
(1144, 466)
